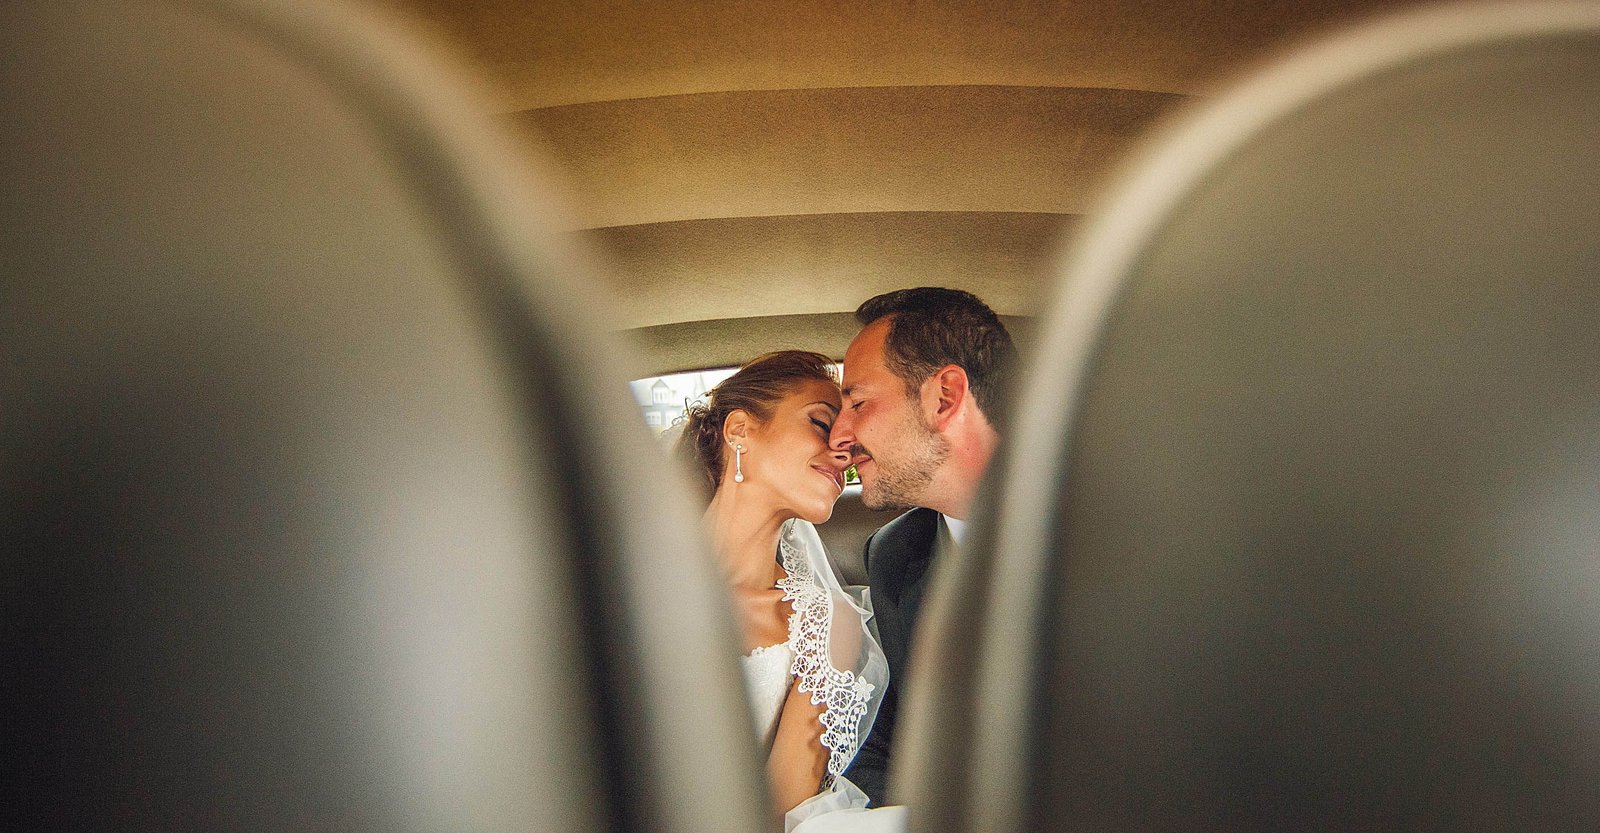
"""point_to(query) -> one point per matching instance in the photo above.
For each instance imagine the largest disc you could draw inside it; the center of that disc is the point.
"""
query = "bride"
(814, 671)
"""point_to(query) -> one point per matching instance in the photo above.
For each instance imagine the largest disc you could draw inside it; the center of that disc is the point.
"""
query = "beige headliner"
(783, 161)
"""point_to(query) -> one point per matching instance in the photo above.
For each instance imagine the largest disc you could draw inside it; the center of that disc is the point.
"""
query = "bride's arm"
(798, 759)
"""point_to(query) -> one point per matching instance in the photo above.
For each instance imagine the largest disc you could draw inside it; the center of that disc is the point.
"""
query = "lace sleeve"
(836, 659)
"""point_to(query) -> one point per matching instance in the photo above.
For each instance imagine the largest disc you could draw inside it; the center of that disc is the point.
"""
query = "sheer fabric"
(834, 656)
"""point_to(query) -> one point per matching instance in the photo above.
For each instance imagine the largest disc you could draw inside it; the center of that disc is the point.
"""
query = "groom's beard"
(902, 478)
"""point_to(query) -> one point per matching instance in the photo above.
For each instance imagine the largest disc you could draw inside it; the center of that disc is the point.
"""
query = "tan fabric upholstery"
(322, 503)
(1298, 528)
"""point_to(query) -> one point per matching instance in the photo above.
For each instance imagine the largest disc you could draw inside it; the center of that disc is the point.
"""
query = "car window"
(662, 400)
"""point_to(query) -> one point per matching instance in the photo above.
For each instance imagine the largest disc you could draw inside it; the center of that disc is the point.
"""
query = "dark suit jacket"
(897, 558)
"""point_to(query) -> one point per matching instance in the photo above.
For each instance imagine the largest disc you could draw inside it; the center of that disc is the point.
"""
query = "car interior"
(747, 174)
(326, 505)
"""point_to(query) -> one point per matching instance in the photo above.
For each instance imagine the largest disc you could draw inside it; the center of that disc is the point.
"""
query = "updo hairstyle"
(756, 389)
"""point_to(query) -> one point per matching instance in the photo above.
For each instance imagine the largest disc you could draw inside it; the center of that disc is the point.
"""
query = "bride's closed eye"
(823, 426)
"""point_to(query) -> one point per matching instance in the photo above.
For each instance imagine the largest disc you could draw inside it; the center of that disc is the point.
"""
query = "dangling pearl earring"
(738, 462)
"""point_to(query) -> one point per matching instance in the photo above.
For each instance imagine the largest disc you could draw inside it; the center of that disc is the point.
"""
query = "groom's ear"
(943, 395)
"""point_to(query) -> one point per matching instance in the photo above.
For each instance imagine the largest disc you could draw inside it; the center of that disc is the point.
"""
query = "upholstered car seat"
(323, 505)
(1300, 527)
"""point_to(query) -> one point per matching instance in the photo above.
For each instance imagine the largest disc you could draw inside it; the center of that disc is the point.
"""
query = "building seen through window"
(663, 399)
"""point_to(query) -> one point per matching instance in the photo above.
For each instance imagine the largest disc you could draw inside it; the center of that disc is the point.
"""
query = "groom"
(924, 400)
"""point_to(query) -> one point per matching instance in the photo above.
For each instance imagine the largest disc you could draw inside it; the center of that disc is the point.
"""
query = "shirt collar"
(957, 527)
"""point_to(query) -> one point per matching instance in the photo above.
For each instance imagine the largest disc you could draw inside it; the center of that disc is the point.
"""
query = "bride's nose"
(839, 458)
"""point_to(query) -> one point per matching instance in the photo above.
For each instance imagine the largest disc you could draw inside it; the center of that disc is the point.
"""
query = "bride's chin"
(820, 515)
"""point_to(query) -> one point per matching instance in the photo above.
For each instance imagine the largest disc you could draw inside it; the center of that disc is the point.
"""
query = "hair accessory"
(738, 462)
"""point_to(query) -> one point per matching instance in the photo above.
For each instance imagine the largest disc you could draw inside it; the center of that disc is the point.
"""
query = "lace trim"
(844, 694)
(764, 649)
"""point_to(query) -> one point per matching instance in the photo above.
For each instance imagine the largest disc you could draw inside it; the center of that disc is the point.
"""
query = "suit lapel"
(918, 563)
(898, 560)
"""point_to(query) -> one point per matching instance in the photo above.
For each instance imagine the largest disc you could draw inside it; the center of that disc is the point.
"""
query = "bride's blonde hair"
(756, 389)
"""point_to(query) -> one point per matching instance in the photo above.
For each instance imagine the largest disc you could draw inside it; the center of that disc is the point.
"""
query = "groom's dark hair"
(932, 327)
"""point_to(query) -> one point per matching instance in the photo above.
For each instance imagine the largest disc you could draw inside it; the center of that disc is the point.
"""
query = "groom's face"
(883, 428)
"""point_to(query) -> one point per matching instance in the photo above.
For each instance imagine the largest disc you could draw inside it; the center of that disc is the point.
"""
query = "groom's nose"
(842, 435)
(842, 442)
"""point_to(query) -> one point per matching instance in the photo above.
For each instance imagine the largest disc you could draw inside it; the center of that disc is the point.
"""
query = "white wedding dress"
(767, 679)
(833, 653)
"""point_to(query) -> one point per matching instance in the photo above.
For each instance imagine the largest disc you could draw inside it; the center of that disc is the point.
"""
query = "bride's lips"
(834, 475)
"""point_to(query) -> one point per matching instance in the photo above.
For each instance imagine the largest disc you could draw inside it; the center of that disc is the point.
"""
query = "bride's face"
(788, 456)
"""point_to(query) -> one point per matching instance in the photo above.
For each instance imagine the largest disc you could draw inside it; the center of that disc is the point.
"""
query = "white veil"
(838, 660)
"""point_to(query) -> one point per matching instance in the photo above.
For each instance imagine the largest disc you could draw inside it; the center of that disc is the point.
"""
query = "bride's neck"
(745, 536)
